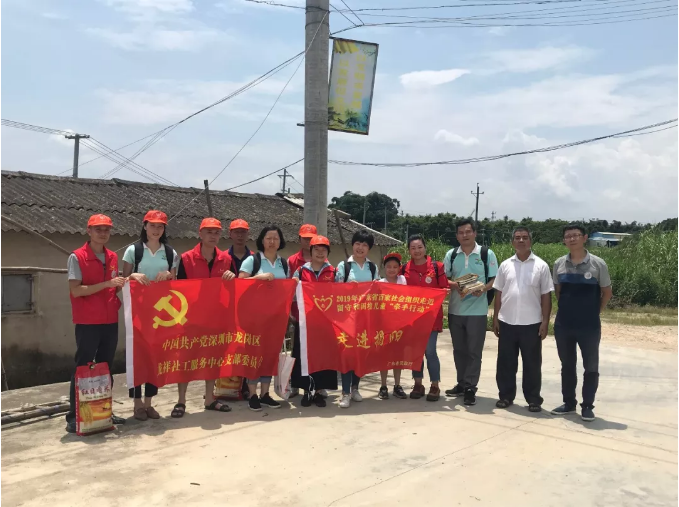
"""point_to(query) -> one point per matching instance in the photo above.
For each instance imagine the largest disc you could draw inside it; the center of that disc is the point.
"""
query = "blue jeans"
(260, 379)
(433, 363)
(349, 381)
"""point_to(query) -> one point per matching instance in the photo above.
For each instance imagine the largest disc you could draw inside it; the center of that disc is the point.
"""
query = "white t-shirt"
(400, 280)
(522, 284)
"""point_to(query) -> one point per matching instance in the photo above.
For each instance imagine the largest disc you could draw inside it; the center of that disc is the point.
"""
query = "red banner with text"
(185, 330)
(365, 327)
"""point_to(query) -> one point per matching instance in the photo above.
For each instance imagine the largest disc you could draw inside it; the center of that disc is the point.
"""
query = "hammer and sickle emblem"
(323, 303)
(178, 316)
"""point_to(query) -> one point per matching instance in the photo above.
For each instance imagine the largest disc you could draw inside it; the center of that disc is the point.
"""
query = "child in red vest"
(94, 283)
(204, 261)
(392, 268)
(318, 269)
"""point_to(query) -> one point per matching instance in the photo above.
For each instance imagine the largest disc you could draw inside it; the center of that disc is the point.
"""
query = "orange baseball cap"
(392, 255)
(212, 223)
(239, 223)
(320, 240)
(156, 217)
(308, 231)
(99, 220)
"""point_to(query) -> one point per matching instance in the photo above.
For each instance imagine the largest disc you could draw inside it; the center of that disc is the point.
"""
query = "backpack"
(347, 269)
(139, 253)
(484, 258)
(257, 263)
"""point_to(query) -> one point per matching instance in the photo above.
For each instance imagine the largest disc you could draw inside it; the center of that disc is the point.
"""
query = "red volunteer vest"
(102, 307)
(196, 266)
(428, 279)
(296, 261)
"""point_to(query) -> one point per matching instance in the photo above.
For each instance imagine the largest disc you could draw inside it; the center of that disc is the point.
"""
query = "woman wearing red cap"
(392, 267)
(421, 270)
(204, 261)
(318, 269)
(94, 283)
(151, 259)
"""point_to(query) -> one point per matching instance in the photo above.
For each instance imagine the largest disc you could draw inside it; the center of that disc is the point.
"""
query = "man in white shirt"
(520, 321)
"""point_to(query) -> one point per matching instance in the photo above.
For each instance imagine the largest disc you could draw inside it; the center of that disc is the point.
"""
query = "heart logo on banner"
(323, 303)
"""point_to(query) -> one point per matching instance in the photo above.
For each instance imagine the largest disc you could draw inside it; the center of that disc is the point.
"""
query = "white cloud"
(140, 6)
(158, 38)
(500, 31)
(430, 78)
(54, 15)
(449, 137)
(532, 60)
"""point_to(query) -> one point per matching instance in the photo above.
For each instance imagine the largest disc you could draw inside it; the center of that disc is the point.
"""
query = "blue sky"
(122, 69)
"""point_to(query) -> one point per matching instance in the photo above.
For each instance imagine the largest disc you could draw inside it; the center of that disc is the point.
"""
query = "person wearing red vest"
(306, 233)
(93, 285)
(204, 261)
(421, 270)
(318, 269)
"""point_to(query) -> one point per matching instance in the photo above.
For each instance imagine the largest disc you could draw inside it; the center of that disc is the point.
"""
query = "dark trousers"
(469, 334)
(349, 381)
(93, 342)
(567, 341)
(512, 340)
(149, 391)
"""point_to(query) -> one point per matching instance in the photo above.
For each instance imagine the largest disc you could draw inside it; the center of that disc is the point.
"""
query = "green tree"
(375, 205)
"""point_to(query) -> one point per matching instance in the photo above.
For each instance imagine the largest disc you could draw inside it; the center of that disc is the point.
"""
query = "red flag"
(205, 329)
(365, 327)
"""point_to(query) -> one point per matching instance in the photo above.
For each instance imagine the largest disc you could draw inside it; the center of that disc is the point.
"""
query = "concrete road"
(377, 453)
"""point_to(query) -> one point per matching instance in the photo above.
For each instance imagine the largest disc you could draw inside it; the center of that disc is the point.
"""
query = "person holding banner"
(318, 269)
(238, 233)
(422, 271)
(150, 259)
(93, 285)
(266, 264)
(204, 261)
(357, 268)
(392, 268)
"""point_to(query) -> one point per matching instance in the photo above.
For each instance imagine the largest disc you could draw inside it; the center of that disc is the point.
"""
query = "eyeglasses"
(572, 236)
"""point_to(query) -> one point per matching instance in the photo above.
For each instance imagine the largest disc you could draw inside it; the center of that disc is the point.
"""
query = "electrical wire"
(266, 175)
(343, 15)
(149, 176)
(353, 12)
(506, 155)
(34, 128)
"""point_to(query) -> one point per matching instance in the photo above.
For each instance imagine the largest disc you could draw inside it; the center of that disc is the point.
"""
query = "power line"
(34, 128)
(497, 157)
(353, 12)
(267, 175)
(343, 15)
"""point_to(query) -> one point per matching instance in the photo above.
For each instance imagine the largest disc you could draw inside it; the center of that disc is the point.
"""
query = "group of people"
(520, 287)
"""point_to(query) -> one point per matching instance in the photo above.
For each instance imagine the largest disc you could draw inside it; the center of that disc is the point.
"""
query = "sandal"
(534, 407)
(140, 414)
(504, 403)
(178, 411)
(218, 406)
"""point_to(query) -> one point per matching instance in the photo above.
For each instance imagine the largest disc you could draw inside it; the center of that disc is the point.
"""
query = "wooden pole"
(341, 235)
(207, 197)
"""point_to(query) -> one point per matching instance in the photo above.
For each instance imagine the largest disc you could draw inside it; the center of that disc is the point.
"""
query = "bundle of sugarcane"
(468, 283)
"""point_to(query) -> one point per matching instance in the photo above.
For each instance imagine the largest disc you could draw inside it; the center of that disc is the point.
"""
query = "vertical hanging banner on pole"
(352, 78)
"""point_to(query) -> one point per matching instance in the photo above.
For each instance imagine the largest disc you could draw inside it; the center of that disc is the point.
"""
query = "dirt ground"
(642, 337)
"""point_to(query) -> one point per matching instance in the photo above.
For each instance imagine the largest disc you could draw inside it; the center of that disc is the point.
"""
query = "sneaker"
(306, 401)
(469, 397)
(323, 392)
(399, 393)
(455, 391)
(384, 393)
(319, 401)
(587, 414)
(345, 402)
(356, 396)
(70, 427)
(254, 404)
(293, 392)
(563, 410)
(417, 392)
(269, 401)
(117, 420)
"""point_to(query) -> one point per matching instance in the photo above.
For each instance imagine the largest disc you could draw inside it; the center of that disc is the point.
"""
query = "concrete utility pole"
(365, 208)
(477, 194)
(76, 149)
(316, 114)
(285, 177)
(385, 220)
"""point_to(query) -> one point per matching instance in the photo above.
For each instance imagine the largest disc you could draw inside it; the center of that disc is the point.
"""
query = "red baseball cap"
(308, 231)
(99, 220)
(392, 255)
(156, 217)
(212, 223)
(239, 223)
(320, 240)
